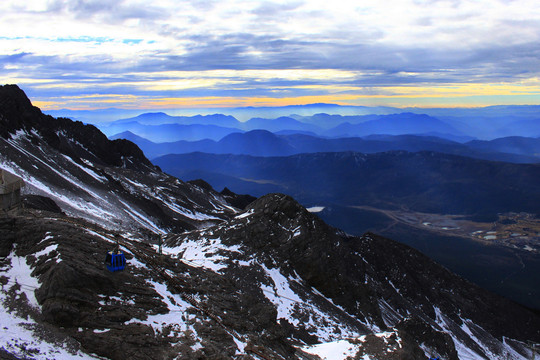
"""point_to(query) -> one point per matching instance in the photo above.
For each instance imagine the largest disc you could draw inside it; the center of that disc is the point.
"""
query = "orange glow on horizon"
(444, 95)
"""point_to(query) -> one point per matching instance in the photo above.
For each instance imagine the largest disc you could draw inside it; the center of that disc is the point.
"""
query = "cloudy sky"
(87, 54)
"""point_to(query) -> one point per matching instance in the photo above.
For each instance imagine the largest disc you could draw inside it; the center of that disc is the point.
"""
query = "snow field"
(464, 352)
(202, 253)
(16, 330)
(290, 306)
(347, 348)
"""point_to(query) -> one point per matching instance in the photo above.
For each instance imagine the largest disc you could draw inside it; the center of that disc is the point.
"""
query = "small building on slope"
(10, 192)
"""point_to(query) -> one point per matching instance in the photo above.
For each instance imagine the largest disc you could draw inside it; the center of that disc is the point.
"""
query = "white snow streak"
(16, 334)
(202, 253)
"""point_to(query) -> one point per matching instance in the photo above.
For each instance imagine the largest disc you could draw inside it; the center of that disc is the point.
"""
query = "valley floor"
(520, 231)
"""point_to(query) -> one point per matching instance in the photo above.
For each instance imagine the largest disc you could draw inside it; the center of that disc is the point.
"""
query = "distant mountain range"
(265, 143)
(395, 124)
(170, 132)
(162, 118)
(424, 181)
(283, 123)
(484, 115)
(160, 127)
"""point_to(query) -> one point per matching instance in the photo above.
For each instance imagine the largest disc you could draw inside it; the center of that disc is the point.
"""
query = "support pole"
(534, 349)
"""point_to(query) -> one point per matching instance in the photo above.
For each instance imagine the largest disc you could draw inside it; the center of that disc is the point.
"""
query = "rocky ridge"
(375, 283)
(89, 176)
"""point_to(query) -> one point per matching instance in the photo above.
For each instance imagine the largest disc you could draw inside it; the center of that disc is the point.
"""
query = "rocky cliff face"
(270, 282)
(373, 284)
(72, 138)
(89, 176)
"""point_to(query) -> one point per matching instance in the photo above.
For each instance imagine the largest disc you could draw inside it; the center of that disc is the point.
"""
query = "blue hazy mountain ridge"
(494, 111)
(157, 118)
(438, 183)
(169, 132)
(241, 113)
(510, 144)
(455, 138)
(461, 125)
(256, 142)
(293, 132)
(329, 121)
(530, 126)
(395, 124)
(480, 119)
(246, 113)
(265, 143)
(280, 124)
(483, 123)
(320, 124)
(153, 150)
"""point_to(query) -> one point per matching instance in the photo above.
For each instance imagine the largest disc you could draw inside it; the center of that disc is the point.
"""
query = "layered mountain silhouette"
(162, 118)
(171, 132)
(265, 143)
(396, 124)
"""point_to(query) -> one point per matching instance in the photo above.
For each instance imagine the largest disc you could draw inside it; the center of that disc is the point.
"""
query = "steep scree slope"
(328, 286)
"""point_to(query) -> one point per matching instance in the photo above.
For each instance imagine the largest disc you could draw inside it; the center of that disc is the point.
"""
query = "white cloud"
(443, 40)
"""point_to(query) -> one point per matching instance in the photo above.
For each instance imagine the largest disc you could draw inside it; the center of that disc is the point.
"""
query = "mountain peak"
(72, 138)
(15, 110)
(278, 203)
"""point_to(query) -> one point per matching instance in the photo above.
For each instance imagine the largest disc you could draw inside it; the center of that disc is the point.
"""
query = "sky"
(166, 54)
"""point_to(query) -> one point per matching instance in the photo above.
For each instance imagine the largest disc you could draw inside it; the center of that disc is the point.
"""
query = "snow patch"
(244, 215)
(348, 348)
(175, 304)
(18, 134)
(16, 332)
(90, 172)
(207, 253)
(20, 273)
(335, 350)
(46, 251)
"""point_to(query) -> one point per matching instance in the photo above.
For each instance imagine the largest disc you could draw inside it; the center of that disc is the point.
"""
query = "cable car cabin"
(115, 261)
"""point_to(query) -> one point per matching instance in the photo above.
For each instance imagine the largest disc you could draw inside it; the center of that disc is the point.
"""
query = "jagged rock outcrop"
(41, 203)
(379, 283)
(132, 314)
(87, 175)
(237, 200)
(72, 138)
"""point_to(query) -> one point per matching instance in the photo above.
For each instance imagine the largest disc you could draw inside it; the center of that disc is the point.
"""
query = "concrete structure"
(10, 192)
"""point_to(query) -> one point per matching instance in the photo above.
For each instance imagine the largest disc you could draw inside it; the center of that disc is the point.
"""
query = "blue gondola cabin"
(115, 261)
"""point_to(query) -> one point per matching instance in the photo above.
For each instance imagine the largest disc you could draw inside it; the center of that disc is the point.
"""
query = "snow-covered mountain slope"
(272, 282)
(327, 287)
(236, 289)
(107, 182)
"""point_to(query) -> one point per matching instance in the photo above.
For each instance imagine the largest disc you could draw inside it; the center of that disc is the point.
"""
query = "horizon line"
(43, 107)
